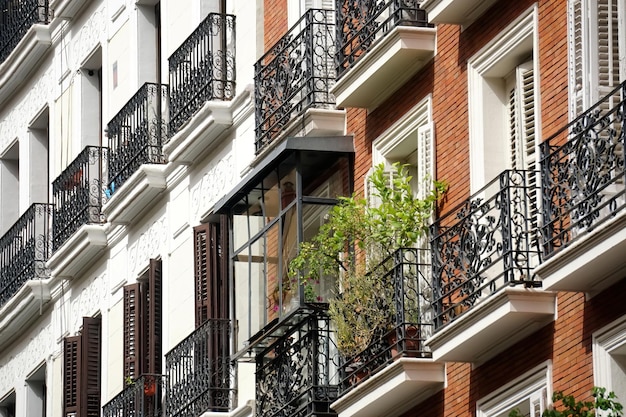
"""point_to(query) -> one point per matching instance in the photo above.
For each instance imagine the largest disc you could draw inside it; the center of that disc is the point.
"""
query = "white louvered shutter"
(578, 28)
(538, 403)
(425, 159)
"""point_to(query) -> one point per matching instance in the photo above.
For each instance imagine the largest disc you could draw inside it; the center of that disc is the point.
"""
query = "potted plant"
(572, 408)
(351, 245)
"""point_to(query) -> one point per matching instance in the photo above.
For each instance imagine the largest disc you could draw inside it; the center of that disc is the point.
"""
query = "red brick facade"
(566, 342)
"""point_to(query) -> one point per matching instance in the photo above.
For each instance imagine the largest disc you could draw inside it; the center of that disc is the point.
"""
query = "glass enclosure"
(268, 220)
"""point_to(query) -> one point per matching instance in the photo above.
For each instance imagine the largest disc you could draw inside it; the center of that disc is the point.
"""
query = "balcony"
(296, 373)
(380, 41)
(77, 232)
(24, 250)
(395, 371)
(202, 69)
(584, 199)
(293, 81)
(201, 376)
(24, 38)
(456, 12)
(136, 136)
(141, 398)
(484, 255)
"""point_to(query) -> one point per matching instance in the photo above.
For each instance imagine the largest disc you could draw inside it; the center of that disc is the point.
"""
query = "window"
(142, 324)
(210, 270)
(82, 370)
(503, 102)
(9, 185)
(7, 405)
(609, 357)
(595, 46)
(410, 141)
(528, 394)
(36, 395)
(296, 8)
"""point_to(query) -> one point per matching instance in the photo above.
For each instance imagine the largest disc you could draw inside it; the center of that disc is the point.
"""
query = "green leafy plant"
(572, 408)
(355, 238)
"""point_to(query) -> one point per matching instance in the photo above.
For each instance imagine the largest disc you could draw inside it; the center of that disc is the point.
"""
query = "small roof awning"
(312, 148)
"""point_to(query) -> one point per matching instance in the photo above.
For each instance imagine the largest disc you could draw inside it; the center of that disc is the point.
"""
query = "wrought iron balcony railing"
(201, 376)
(407, 275)
(78, 194)
(296, 374)
(296, 74)
(136, 134)
(16, 18)
(361, 23)
(141, 398)
(202, 68)
(488, 242)
(24, 250)
(583, 175)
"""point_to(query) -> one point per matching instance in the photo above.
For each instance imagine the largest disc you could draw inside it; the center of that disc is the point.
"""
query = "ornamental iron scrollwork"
(136, 134)
(202, 69)
(140, 398)
(16, 18)
(488, 242)
(583, 173)
(296, 374)
(24, 250)
(361, 23)
(294, 75)
(78, 194)
(201, 376)
(409, 302)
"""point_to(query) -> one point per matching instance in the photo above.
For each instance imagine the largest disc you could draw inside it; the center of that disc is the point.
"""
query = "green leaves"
(355, 238)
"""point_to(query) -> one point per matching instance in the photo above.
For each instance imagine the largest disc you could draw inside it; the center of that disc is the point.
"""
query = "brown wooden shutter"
(81, 371)
(201, 259)
(90, 367)
(132, 331)
(211, 270)
(152, 320)
(71, 374)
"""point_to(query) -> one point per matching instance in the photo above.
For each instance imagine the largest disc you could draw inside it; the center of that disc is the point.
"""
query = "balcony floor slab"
(403, 384)
(590, 264)
(397, 57)
(490, 327)
(78, 252)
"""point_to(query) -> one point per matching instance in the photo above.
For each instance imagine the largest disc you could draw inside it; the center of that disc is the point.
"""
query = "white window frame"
(605, 342)
(525, 386)
(487, 142)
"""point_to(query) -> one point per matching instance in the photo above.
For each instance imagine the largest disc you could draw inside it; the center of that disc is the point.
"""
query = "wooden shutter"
(202, 255)
(82, 370)
(152, 320)
(91, 340)
(211, 270)
(132, 331)
(71, 375)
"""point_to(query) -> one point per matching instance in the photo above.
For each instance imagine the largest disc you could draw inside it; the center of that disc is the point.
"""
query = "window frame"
(519, 37)
(525, 386)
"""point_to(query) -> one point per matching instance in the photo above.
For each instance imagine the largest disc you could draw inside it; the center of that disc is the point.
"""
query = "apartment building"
(161, 161)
